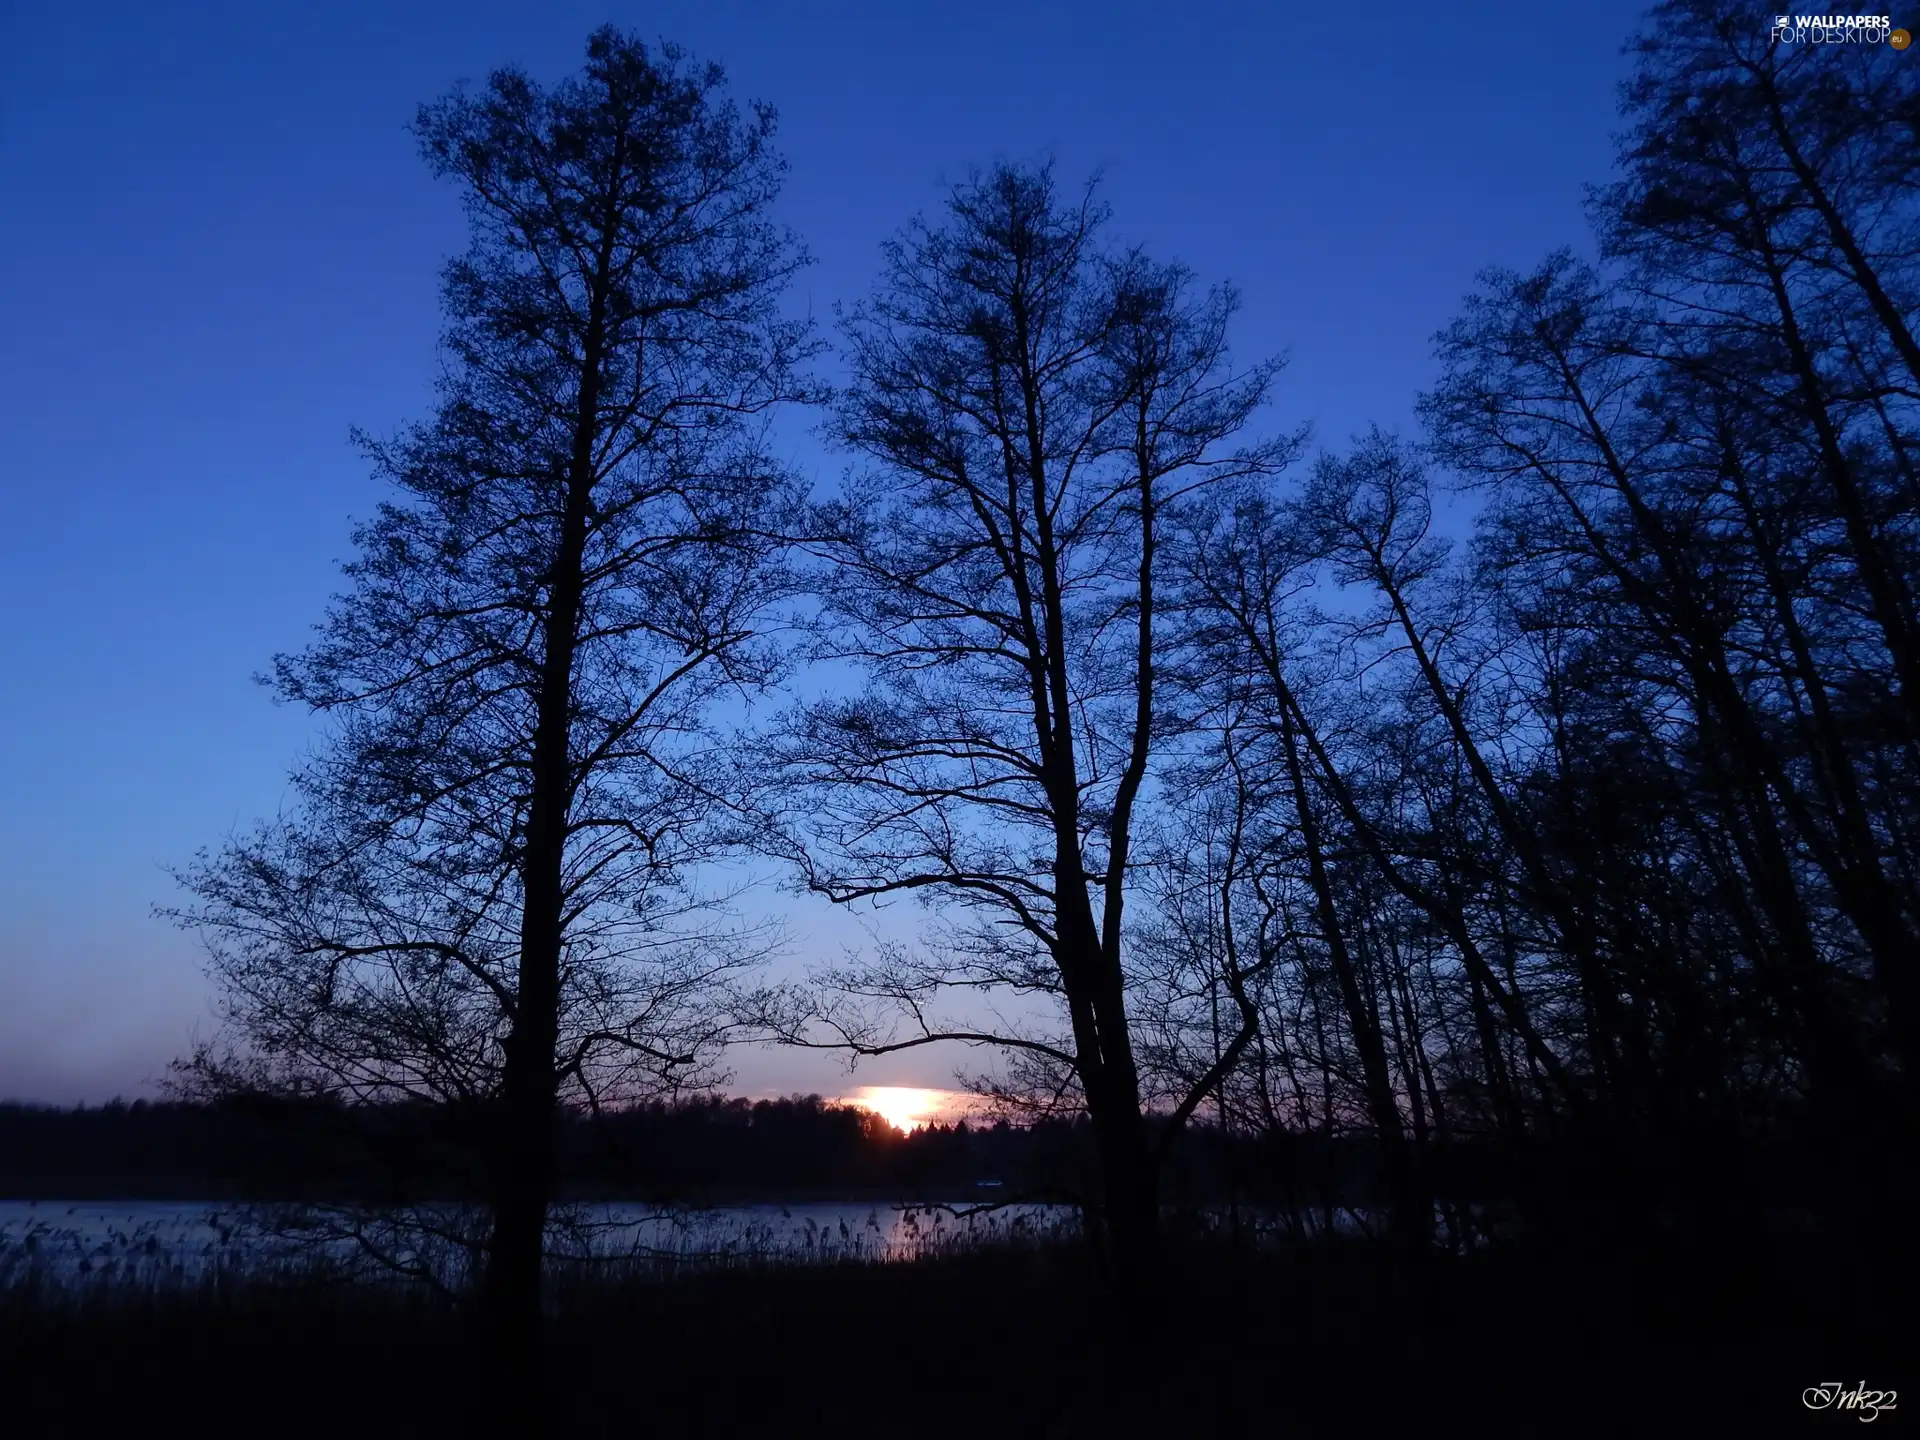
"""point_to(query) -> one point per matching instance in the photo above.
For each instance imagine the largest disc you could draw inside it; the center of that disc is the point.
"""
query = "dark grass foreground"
(1336, 1341)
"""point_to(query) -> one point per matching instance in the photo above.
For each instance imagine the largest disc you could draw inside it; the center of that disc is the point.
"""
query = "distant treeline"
(288, 1148)
(294, 1148)
(695, 1148)
(799, 1147)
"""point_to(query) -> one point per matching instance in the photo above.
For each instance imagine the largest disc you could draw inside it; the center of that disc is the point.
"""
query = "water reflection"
(167, 1242)
(151, 1241)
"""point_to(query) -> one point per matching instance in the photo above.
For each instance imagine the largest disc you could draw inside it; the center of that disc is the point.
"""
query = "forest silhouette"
(1502, 835)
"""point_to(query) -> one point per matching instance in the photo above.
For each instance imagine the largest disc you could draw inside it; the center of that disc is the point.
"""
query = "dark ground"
(1682, 1337)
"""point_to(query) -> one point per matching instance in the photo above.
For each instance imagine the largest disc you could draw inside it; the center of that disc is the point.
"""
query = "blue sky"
(220, 253)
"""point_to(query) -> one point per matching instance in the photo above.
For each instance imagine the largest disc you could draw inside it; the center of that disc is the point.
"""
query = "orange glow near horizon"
(904, 1107)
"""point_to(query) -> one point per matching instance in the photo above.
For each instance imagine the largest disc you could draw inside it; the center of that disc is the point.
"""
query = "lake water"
(158, 1240)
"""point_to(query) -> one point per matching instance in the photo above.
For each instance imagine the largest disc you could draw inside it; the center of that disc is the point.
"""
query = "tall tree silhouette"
(1767, 216)
(1032, 404)
(1602, 832)
(485, 894)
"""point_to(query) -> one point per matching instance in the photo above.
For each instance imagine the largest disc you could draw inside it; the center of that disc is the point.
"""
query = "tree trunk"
(1363, 1017)
(524, 1176)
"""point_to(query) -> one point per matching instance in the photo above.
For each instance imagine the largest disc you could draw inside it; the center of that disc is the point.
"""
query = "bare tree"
(486, 896)
(1032, 405)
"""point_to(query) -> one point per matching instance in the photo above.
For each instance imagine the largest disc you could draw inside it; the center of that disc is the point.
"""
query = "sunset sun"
(902, 1107)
